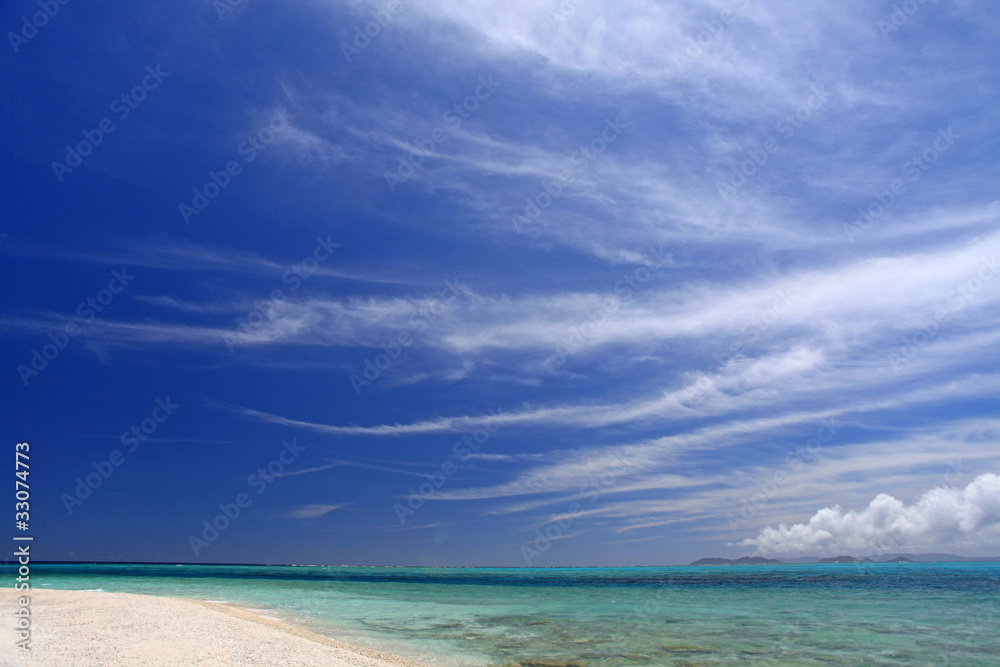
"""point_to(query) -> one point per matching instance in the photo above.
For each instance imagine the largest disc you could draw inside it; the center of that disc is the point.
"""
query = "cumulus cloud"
(944, 516)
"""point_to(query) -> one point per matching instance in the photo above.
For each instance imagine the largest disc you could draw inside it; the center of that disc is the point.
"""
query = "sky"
(502, 284)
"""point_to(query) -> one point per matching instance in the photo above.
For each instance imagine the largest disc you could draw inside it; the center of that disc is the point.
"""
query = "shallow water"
(880, 614)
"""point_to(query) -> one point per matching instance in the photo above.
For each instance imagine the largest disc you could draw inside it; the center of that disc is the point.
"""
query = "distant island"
(886, 558)
(746, 560)
(845, 559)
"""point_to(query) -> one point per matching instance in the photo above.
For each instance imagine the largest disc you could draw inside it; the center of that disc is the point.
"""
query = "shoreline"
(91, 628)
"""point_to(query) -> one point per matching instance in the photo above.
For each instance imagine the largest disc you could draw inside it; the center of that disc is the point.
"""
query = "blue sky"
(574, 283)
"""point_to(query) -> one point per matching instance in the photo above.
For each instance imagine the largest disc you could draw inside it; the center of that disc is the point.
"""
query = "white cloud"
(184, 255)
(312, 511)
(944, 517)
(753, 71)
(862, 302)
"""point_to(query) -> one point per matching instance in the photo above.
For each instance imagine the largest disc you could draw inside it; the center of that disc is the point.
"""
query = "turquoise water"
(886, 614)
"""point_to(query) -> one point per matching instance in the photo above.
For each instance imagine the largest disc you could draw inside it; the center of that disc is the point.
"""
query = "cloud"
(724, 89)
(779, 382)
(183, 255)
(868, 302)
(943, 516)
(738, 385)
(312, 511)
(504, 458)
(306, 471)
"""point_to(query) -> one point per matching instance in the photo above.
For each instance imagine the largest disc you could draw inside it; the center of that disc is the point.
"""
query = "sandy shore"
(92, 628)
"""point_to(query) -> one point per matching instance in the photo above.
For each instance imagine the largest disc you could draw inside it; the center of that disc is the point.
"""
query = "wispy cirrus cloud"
(184, 255)
(659, 344)
(313, 511)
(869, 298)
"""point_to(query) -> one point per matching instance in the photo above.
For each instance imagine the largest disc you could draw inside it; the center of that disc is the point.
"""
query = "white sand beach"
(92, 628)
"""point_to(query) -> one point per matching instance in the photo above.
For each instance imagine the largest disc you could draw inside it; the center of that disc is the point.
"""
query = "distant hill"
(939, 558)
(745, 560)
(845, 559)
(884, 558)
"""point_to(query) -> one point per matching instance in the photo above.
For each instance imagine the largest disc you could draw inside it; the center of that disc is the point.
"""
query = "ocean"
(842, 614)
